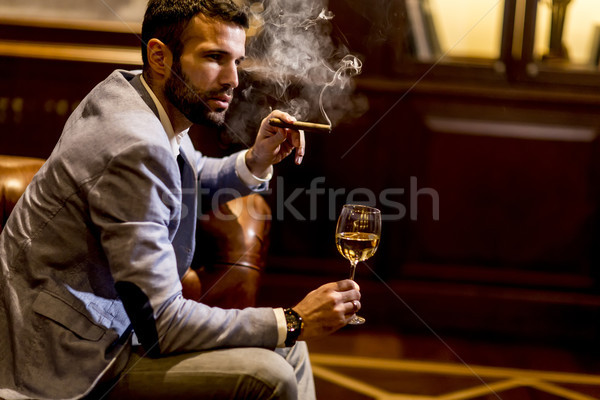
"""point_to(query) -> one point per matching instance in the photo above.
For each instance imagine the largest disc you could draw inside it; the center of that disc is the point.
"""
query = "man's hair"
(166, 20)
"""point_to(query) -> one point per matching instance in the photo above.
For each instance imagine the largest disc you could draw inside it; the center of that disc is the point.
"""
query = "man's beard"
(192, 102)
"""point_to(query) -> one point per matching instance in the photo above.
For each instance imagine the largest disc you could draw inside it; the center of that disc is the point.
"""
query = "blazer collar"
(137, 84)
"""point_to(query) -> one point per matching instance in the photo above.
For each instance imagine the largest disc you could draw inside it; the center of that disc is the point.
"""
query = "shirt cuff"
(281, 326)
(253, 182)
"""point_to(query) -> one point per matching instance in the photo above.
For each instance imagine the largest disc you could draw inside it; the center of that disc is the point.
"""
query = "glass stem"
(352, 269)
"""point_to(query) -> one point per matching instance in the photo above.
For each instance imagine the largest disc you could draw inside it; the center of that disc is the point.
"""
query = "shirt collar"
(174, 139)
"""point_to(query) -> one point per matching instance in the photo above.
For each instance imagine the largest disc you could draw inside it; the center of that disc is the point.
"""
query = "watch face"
(292, 323)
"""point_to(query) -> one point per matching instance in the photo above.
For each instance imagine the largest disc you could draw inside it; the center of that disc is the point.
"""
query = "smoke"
(349, 66)
(295, 66)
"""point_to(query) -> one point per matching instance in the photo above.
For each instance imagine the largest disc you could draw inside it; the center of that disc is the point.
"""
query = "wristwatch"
(295, 324)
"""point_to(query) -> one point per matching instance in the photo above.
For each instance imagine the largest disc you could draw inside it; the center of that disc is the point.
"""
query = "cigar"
(300, 125)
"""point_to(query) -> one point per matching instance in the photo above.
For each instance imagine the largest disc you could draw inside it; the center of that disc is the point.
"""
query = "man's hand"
(274, 144)
(328, 308)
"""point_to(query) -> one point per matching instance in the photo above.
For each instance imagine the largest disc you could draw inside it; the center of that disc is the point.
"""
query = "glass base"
(356, 320)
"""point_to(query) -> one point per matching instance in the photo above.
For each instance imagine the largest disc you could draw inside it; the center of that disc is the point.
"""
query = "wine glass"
(357, 236)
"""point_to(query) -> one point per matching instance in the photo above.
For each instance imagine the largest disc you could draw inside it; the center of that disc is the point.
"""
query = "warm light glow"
(103, 54)
(473, 28)
(583, 17)
(468, 28)
(14, 185)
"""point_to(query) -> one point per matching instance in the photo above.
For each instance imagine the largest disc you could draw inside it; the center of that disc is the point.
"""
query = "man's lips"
(221, 101)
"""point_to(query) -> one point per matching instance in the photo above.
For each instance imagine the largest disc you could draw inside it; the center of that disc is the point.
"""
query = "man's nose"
(229, 76)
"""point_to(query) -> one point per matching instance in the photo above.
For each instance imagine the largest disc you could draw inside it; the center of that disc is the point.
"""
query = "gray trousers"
(240, 373)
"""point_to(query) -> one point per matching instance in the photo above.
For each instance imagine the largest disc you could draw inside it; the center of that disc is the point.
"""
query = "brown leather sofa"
(233, 240)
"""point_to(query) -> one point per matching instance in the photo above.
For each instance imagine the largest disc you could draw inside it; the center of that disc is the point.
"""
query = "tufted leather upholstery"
(15, 175)
(231, 241)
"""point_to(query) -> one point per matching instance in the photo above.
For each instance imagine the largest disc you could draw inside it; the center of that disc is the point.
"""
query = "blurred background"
(472, 124)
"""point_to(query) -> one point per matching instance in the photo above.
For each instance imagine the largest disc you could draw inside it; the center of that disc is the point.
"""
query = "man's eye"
(216, 57)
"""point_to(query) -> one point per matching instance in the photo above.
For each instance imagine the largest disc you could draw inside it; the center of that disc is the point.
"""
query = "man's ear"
(160, 58)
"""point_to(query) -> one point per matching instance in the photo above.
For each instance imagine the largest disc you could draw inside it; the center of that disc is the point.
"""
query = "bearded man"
(96, 246)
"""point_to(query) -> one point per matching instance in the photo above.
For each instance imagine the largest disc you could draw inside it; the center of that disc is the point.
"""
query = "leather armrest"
(15, 174)
(231, 247)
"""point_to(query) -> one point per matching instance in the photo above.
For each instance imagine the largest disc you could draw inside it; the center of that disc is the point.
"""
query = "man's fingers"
(287, 138)
(347, 284)
(354, 306)
(299, 142)
(350, 295)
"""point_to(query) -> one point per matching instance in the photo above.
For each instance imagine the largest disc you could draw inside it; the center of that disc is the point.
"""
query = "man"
(98, 242)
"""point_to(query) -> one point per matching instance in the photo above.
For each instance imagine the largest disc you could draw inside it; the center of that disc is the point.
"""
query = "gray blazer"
(97, 245)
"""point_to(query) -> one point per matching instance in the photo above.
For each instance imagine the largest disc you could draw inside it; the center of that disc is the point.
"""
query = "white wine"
(357, 235)
(357, 246)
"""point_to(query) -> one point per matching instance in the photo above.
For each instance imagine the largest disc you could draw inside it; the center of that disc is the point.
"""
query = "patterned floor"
(384, 379)
(361, 365)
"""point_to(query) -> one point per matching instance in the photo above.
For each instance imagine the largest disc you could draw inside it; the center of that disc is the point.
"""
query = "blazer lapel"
(185, 241)
(137, 84)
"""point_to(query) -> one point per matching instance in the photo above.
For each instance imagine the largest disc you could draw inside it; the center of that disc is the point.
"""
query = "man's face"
(201, 81)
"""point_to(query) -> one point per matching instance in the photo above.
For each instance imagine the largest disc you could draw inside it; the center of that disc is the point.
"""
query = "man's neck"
(178, 121)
